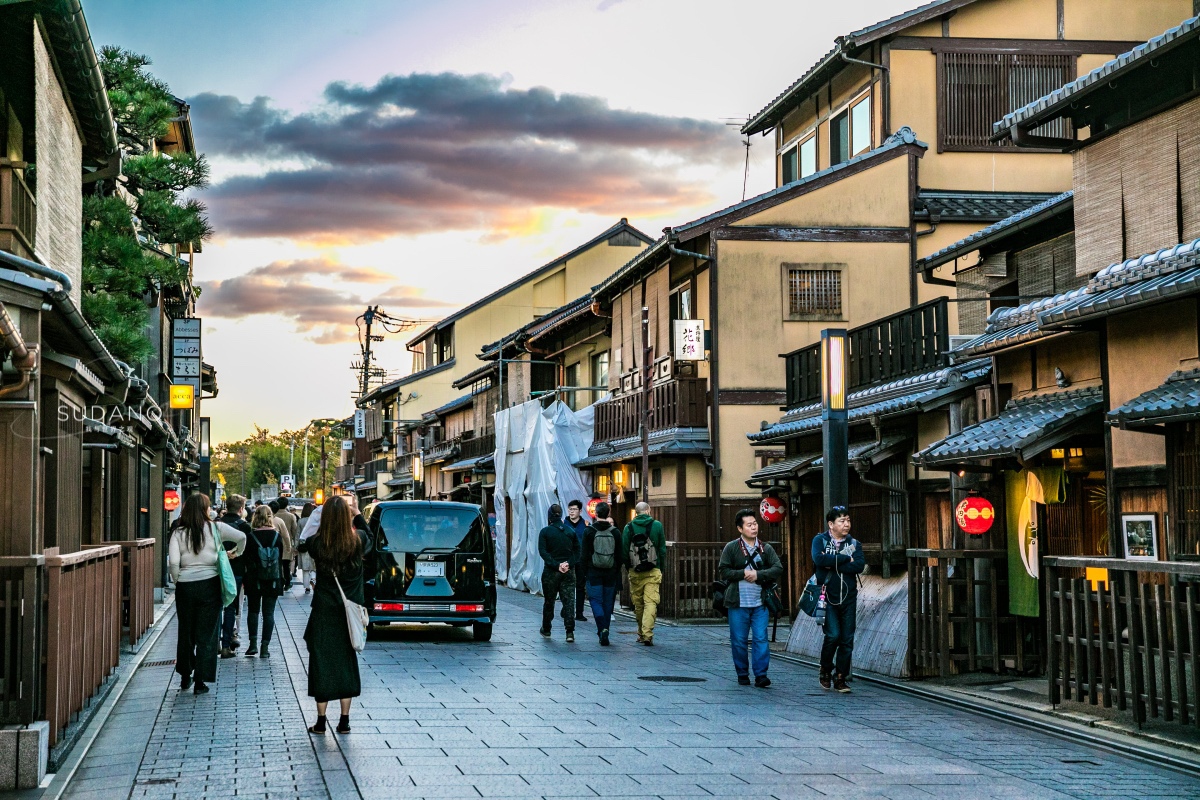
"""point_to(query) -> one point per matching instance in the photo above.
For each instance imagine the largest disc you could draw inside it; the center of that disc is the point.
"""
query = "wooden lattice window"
(978, 89)
(813, 293)
(1183, 445)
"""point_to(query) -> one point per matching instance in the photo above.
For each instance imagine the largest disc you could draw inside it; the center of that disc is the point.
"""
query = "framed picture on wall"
(1140, 533)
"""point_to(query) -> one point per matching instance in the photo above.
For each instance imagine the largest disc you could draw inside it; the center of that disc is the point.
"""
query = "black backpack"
(268, 570)
(643, 556)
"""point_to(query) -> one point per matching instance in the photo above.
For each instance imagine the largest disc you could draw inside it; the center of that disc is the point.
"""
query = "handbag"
(228, 582)
(718, 588)
(809, 597)
(357, 619)
(772, 600)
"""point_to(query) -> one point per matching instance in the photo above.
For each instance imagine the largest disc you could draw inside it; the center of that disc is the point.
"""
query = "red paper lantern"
(591, 506)
(975, 515)
(170, 499)
(772, 509)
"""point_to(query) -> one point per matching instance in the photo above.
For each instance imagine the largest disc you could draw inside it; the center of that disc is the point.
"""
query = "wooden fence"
(958, 616)
(686, 591)
(137, 586)
(21, 587)
(1127, 633)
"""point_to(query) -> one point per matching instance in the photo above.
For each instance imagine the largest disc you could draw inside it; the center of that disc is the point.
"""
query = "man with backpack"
(559, 550)
(749, 566)
(644, 548)
(577, 525)
(839, 560)
(602, 562)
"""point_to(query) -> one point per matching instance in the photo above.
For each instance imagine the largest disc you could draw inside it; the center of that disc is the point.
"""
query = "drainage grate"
(170, 663)
(671, 679)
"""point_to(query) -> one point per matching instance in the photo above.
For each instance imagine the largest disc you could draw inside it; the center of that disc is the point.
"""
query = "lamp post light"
(834, 417)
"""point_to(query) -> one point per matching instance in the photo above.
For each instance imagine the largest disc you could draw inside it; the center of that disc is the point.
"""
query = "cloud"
(314, 295)
(437, 152)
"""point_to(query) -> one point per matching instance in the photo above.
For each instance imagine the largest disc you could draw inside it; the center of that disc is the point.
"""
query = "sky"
(418, 155)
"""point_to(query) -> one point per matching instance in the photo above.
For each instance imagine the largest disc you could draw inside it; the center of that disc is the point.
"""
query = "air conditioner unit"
(959, 339)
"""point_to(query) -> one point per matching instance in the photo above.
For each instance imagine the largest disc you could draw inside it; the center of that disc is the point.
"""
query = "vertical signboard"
(186, 352)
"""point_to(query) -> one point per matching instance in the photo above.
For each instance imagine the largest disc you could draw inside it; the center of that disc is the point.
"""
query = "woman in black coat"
(338, 549)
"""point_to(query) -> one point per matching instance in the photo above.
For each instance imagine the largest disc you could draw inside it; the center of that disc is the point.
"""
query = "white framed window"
(850, 130)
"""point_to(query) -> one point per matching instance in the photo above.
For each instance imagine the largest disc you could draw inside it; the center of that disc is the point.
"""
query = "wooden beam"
(972, 45)
(787, 233)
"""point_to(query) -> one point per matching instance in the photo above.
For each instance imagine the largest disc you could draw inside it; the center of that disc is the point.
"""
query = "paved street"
(442, 716)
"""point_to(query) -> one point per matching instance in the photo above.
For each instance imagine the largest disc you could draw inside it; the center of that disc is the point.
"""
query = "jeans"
(742, 623)
(232, 612)
(644, 589)
(198, 612)
(602, 598)
(840, 622)
(267, 603)
(560, 585)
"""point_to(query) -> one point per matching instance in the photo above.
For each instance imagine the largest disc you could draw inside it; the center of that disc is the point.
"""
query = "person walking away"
(192, 562)
(644, 548)
(579, 526)
(839, 560)
(233, 517)
(307, 570)
(560, 553)
(749, 566)
(338, 550)
(602, 561)
(264, 577)
(289, 519)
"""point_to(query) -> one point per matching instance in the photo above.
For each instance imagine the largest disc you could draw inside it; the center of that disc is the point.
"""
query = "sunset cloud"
(437, 152)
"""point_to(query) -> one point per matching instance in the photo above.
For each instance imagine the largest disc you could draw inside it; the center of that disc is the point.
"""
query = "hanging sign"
(689, 340)
(170, 499)
(186, 352)
(360, 424)
(772, 509)
(975, 515)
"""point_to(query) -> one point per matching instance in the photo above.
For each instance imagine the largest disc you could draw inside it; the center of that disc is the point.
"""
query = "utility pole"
(323, 484)
(292, 458)
(645, 404)
(368, 317)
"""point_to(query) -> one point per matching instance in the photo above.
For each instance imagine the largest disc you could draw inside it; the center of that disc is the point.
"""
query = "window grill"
(980, 88)
(815, 292)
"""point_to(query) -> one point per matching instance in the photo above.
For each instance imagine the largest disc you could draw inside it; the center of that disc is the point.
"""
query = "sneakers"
(252, 650)
(570, 637)
(201, 688)
(545, 632)
(826, 680)
(226, 652)
(762, 681)
(839, 683)
(743, 680)
(648, 641)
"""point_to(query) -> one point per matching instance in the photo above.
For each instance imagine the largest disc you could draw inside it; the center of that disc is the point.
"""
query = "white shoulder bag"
(357, 619)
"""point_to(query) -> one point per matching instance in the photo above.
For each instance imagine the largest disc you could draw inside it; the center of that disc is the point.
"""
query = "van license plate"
(431, 569)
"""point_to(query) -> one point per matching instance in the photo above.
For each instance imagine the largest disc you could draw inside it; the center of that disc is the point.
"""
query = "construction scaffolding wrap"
(535, 450)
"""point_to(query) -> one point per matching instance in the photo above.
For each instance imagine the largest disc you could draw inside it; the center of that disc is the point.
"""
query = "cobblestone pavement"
(522, 716)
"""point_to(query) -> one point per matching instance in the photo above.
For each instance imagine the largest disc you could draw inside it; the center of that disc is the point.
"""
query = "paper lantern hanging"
(591, 506)
(975, 515)
(772, 509)
(170, 499)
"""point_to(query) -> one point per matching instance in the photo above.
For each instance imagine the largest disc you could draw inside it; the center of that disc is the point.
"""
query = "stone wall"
(59, 158)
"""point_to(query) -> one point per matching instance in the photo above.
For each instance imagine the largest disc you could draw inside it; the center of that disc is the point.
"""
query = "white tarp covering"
(535, 449)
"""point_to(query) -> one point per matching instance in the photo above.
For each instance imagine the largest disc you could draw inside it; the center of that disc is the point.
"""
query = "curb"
(1061, 728)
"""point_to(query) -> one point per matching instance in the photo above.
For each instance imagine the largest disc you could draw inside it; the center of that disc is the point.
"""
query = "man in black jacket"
(602, 564)
(560, 553)
(233, 518)
(839, 560)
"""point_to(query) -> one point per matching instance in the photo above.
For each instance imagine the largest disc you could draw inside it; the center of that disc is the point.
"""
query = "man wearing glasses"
(839, 561)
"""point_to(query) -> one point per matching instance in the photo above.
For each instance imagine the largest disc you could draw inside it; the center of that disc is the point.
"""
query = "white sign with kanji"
(689, 340)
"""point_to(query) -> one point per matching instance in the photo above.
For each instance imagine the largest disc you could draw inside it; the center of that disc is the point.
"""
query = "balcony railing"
(372, 469)
(345, 472)
(907, 343)
(404, 465)
(677, 403)
(478, 446)
(18, 210)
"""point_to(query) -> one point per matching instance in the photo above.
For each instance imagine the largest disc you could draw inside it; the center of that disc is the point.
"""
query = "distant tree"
(267, 455)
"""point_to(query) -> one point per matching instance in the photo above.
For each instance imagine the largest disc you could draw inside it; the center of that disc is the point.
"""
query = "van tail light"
(469, 607)
(390, 607)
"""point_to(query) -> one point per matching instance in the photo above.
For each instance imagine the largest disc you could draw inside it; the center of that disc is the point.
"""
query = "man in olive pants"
(644, 548)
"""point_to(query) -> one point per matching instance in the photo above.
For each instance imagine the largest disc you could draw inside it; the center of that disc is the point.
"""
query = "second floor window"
(850, 131)
(790, 167)
(813, 293)
(978, 89)
(443, 345)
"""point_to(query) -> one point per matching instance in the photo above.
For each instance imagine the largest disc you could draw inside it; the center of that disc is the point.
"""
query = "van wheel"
(482, 631)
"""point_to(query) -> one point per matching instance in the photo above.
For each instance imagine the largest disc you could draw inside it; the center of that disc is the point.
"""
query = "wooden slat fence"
(22, 582)
(137, 586)
(1131, 640)
(687, 580)
(958, 618)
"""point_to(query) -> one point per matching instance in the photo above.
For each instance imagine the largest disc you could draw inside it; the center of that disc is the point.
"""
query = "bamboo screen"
(1188, 147)
(1148, 186)
(980, 88)
(1099, 232)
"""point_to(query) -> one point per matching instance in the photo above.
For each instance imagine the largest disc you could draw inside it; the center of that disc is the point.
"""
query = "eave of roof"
(621, 227)
(1176, 399)
(1058, 205)
(1059, 102)
(831, 62)
(540, 325)
(396, 385)
(474, 375)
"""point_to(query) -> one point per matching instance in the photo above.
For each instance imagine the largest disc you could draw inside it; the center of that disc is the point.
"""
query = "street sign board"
(188, 328)
(182, 395)
(689, 340)
(360, 424)
(186, 352)
(287, 484)
(347, 444)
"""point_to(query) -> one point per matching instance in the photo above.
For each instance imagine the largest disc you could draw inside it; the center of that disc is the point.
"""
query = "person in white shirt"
(192, 561)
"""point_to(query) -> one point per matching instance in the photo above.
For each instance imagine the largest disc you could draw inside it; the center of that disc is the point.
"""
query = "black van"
(432, 562)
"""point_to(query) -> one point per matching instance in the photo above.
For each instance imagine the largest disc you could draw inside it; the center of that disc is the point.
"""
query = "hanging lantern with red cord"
(975, 515)
(591, 506)
(772, 509)
(170, 499)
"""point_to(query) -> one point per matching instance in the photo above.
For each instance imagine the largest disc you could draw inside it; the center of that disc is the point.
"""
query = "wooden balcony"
(18, 210)
(371, 470)
(910, 342)
(345, 472)
(404, 466)
(677, 403)
(478, 446)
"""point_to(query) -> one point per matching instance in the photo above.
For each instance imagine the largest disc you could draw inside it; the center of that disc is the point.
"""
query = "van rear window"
(411, 530)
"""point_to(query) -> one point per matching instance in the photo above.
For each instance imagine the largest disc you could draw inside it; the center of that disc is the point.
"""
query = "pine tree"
(120, 269)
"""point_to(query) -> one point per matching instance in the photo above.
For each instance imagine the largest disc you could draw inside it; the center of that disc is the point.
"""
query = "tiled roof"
(1049, 206)
(1176, 399)
(1060, 100)
(998, 340)
(903, 136)
(1016, 431)
(631, 265)
(886, 398)
(869, 452)
(785, 468)
(453, 405)
(474, 375)
(668, 447)
(466, 463)
(1171, 272)
(977, 206)
(831, 61)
